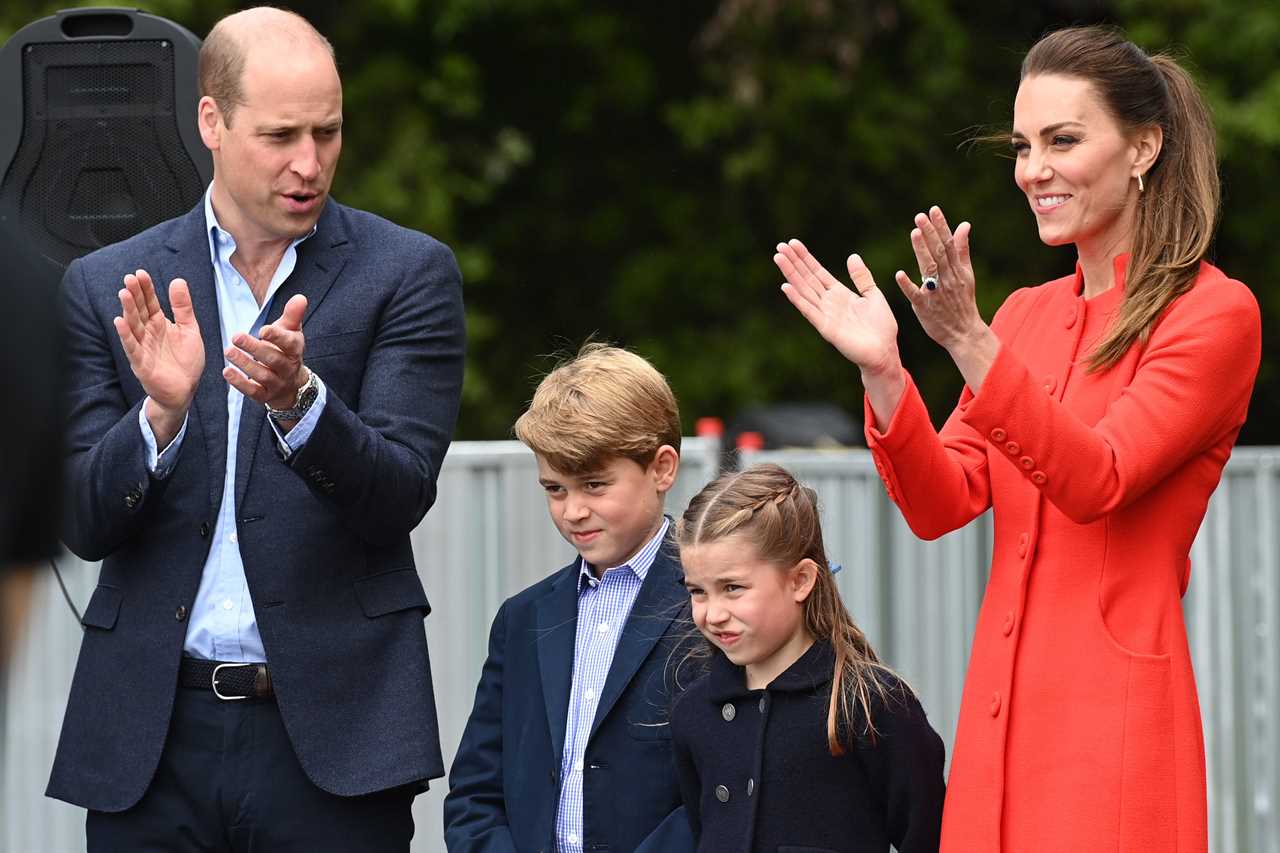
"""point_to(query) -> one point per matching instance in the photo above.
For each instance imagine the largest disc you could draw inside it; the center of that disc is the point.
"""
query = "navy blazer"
(324, 535)
(504, 785)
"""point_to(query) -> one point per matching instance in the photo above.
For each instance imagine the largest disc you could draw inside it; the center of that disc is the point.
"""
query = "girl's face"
(749, 608)
(1076, 164)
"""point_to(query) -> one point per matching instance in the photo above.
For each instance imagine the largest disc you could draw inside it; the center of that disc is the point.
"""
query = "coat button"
(1050, 384)
(1039, 478)
(1023, 541)
(728, 712)
(1027, 463)
(995, 704)
(1014, 448)
(751, 787)
(763, 703)
(998, 435)
(1007, 627)
(131, 498)
(1071, 317)
(722, 793)
(181, 613)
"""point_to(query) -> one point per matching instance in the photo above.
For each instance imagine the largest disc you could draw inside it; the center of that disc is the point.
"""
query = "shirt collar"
(639, 564)
(219, 236)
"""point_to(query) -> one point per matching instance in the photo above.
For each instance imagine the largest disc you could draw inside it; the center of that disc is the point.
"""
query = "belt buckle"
(214, 680)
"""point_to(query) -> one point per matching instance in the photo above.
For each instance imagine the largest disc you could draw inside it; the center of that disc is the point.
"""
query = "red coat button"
(1071, 317)
(1050, 384)
(995, 704)
(1027, 462)
(998, 435)
(1039, 478)
(1014, 448)
(1007, 627)
(1023, 540)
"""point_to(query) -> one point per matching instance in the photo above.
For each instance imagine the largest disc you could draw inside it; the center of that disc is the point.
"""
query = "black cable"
(65, 594)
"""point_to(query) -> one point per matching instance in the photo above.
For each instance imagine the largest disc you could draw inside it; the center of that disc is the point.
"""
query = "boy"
(568, 747)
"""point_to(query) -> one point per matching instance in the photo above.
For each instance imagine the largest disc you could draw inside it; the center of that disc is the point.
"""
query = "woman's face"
(1076, 164)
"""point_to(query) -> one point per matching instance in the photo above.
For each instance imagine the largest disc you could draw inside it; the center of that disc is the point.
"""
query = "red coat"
(1079, 728)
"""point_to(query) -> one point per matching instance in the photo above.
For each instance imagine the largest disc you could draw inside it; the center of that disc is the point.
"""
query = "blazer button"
(751, 787)
(728, 712)
(1014, 448)
(1007, 627)
(204, 529)
(1039, 478)
(131, 498)
(995, 704)
(998, 435)
(722, 793)
(181, 613)
(1027, 463)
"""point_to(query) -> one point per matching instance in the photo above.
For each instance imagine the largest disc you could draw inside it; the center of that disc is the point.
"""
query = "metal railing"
(489, 536)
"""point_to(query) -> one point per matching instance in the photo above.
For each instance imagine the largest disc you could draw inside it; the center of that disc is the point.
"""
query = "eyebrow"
(1051, 129)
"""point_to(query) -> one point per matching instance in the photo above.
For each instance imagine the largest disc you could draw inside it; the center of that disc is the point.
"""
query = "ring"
(930, 282)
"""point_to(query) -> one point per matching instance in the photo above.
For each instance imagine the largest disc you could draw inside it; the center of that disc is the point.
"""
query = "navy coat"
(756, 773)
(324, 536)
(504, 782)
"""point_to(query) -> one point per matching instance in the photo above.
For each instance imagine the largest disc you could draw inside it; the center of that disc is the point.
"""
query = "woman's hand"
(858, 323)
(948, 313)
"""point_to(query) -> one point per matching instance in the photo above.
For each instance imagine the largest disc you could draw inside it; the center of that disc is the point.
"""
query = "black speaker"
(98, 136)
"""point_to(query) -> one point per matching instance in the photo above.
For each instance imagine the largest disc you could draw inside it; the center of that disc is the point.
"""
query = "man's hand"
(166, 357)
(270, 366)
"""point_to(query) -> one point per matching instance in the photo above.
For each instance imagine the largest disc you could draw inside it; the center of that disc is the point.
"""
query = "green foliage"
(626, 170)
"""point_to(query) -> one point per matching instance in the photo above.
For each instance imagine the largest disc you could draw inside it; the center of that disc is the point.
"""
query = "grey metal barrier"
(489, 536)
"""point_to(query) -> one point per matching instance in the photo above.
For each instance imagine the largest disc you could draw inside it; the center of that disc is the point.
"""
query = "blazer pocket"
(656, 730)
(104, 608)
(389, 592)
(337, 343)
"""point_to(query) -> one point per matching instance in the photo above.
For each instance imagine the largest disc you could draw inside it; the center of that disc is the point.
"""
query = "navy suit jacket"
(504, 785)
(324, 535)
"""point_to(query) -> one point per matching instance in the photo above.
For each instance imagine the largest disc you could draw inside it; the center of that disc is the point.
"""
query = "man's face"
(273, 165)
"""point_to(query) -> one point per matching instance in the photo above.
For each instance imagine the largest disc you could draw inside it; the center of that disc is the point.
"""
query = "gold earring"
(1141, 188)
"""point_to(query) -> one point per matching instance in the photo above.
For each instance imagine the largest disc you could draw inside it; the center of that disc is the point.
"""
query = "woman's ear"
(1147, 142)
(804, 575)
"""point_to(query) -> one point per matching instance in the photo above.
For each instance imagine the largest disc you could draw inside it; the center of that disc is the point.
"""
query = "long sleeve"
(904, 761)
(1190, 388)
(475, 816)
(378, 460)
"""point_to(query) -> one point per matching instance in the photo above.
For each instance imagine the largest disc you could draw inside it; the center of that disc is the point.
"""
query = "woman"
(1098, 412)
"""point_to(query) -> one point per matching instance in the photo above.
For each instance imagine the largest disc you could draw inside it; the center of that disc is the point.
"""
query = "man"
(254, 673)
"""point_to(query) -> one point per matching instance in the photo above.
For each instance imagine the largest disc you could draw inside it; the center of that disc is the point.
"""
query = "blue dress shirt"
(604, 604)
(223, 625)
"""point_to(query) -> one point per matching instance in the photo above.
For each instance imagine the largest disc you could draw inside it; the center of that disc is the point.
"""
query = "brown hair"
(778, 516)
(1177, 212)
(220, 64)
(603, 403)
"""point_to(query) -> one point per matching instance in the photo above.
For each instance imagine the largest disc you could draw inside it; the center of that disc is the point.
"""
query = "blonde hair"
(1176, 213)
(778, 517)
(603, 403)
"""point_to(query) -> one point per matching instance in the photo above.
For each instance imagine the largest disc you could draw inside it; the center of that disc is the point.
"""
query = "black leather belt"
(228, 681)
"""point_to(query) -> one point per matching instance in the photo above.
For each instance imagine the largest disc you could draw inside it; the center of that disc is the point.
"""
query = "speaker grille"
(101, 157)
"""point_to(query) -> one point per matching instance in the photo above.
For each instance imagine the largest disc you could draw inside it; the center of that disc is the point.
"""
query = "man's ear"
(664, 467)
(209, 119)
(804, 575)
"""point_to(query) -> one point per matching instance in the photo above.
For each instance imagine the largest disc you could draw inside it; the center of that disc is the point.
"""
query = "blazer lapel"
(189, 242)
(557, 625)
(662, 597)
(320, 259)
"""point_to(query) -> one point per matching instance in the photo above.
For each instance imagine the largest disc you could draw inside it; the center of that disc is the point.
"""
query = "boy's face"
(607, 515)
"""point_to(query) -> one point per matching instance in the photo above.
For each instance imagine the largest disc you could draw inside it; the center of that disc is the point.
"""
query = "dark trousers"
(229, 782)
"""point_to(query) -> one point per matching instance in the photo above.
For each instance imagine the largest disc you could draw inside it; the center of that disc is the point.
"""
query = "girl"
(797, 739)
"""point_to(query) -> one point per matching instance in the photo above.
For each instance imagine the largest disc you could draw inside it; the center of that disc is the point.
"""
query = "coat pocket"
(1148, 811)
(104, 608)
(390, 592)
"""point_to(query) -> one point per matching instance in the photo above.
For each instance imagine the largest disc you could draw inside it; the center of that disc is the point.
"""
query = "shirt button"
(604, 628)
(1007, 627)
(181, 613)
(234, 538)
(995, 704)
(573, 838)
(1027, 463)
(226, 604)
(722, 793)
(577, 765)
(998, 435)
(728, 712)
(1039, 478)
(1013, 447)
(590, 694)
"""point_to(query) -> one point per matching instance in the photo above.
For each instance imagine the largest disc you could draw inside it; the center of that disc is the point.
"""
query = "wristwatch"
(301, 403)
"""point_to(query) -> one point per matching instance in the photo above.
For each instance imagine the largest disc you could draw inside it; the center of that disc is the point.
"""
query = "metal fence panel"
(488, 536)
